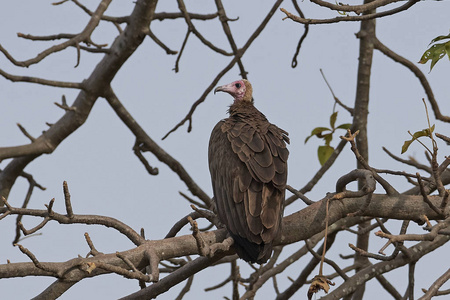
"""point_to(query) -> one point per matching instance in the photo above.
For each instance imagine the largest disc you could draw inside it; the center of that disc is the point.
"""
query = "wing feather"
(254, 202)
(264, 157)
(256, 144)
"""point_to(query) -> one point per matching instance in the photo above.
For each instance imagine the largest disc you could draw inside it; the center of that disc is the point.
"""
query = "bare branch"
(349, 18)
(226, 28)
(137, 151)
(176, 68)
(192, 201)
(434, 288)
(67, 200)
(52, 37)
(358, 9)
(330, 241)
(93, 251)
(409, 162)
(119, 20)
(54, 83)
(194, 30)
(186, 288)
(389, 287)
(161, 44)
(443, 137)
(425, 196)
(55, 290)
(219, 285)
(299, 195)
(48, 215)
(416, 237)
(25, 132)
(36, 262)
(294, 62)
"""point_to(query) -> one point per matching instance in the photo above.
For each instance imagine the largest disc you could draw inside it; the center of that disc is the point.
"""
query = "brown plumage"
(248, 164)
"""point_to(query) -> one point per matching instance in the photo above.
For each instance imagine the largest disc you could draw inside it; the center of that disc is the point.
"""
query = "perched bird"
(248, 165)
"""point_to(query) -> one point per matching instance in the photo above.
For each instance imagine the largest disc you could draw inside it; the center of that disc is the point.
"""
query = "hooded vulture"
(248, 165)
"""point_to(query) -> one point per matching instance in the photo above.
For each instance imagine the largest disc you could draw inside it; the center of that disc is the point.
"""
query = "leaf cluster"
(436, 51)
(324, 152)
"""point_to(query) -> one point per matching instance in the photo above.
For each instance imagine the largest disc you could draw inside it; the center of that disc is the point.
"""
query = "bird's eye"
(238, 85)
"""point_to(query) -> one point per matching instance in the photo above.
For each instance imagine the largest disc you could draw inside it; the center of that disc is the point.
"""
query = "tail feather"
(252, 252)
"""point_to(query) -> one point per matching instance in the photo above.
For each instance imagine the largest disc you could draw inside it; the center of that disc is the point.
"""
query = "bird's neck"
(241, 107)
(244, 111)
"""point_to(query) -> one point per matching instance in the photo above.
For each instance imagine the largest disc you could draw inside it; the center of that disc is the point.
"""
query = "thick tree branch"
(294, 229)
(366, 36)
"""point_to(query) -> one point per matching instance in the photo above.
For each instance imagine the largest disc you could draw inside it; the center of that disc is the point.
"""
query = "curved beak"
(219, 89)
(227, 88)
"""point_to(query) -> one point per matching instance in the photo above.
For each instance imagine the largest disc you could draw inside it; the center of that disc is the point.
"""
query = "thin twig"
(349, 109)
(54, 83)
(425, 196)
(299, 195)
(161, 44)
(176, 68)
(93, 250)
(294, 62)
(69, 209)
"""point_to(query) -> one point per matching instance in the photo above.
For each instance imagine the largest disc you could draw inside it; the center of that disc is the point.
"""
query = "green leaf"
(416, 135)
(447, 49)
(318, 132)
(333, 118)
(344, 126)
(324, 153)
(441, 37)
(435, 53)
(327, 138)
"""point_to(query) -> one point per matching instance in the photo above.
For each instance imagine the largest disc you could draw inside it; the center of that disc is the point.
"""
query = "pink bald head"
(239, 90)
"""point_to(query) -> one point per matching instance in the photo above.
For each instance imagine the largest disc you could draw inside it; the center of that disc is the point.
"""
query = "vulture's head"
(241, 90)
